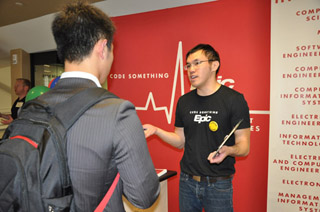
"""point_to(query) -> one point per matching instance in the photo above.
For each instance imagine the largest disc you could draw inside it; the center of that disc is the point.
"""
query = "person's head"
(21, 87)
(78, 28)
(208, 51)
(202, 64)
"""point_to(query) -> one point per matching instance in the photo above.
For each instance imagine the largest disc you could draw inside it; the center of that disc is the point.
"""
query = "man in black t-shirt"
(21, 88)
(204, 117)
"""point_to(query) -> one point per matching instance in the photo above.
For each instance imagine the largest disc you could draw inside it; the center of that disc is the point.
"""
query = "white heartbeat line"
(179, 64)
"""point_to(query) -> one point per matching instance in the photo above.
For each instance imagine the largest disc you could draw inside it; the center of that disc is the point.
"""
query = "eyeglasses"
(195, 64)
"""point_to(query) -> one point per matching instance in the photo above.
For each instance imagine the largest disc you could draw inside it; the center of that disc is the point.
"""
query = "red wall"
(240, 32)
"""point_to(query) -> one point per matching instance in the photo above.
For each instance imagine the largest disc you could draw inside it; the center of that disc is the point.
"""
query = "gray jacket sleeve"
(137, 172)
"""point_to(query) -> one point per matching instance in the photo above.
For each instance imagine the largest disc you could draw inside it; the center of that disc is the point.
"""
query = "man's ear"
(215, 65)
(100, 47)
(25, 88)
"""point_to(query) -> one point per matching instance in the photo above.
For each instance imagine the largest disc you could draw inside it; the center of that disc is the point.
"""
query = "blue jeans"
(213, 197)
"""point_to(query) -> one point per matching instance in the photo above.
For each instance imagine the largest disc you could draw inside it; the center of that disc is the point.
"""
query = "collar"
(81, 74)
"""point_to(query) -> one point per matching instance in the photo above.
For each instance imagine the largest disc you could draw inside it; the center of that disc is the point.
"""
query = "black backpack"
(34, 173)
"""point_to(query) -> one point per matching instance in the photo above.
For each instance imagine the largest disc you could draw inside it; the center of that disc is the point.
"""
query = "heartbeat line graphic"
(179, 65)
(168, 112)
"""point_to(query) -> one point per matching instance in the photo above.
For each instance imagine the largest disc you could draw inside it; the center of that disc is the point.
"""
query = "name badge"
(19, 104)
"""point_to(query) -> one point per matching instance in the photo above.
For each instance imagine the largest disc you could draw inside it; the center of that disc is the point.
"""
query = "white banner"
(294, 145)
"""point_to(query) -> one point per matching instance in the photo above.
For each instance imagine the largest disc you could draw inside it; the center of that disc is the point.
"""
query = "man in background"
(21, 88)
(108, 138)
(204, 116)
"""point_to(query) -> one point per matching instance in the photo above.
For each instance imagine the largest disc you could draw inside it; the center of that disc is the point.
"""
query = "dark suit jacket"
(107, 139)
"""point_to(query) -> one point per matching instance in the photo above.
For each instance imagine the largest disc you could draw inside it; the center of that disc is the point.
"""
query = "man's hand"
(8, 120)
(175, 139)
(215, 157)
(5, 116)
(149, 130)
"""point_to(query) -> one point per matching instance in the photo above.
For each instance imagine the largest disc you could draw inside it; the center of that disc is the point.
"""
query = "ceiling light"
(19, 4)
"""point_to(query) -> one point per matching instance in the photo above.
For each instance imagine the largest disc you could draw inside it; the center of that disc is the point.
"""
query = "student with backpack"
(93, 137)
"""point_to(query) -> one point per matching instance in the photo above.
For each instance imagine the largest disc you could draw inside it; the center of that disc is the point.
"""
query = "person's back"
(108, 138)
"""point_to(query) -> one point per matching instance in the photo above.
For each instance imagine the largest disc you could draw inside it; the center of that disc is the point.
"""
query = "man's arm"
(137, 173)
(175, 139)
(240, 149)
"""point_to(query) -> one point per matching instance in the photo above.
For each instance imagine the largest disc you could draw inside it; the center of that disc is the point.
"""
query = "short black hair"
(208, 50)
(77, 28)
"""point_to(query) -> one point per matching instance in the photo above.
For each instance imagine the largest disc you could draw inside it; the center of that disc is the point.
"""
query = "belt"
(209, 179)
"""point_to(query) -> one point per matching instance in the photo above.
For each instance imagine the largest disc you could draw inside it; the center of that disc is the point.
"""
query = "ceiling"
(14, 11)
(26, 24)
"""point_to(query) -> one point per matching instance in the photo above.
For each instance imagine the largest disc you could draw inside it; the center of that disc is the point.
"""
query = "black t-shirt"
(16, 106)
(206, 121)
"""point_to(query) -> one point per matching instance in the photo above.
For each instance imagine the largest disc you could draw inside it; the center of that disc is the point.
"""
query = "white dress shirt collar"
(81, 74)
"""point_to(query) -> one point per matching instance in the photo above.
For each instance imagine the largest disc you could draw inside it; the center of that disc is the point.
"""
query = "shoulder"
(188, 96)
(229, 91)
(15, 102)
(116, 106)
(230, 94)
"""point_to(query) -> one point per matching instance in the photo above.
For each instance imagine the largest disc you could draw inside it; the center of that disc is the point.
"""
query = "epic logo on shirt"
(200, 119)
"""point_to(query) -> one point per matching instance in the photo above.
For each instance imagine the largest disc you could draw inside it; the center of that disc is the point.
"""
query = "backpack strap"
(69, 111)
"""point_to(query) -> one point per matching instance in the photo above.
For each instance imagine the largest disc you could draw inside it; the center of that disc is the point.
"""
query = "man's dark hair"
(208, 51)
(25, 82)
(77, 28)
